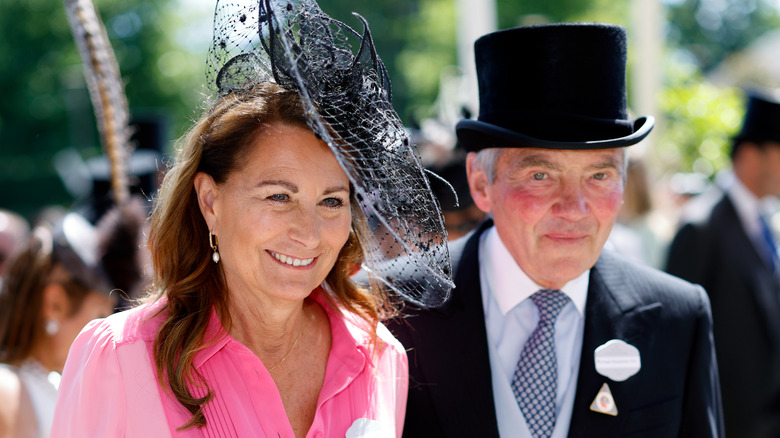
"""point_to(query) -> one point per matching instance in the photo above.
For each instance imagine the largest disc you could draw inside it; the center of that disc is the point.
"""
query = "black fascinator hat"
(345, 92)
(557, 86)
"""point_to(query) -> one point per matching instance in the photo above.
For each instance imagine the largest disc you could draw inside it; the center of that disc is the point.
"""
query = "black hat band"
(558, 126)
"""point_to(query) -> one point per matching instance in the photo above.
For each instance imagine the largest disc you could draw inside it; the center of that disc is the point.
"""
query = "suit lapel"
(765, 284)
(733, 230)
(460, 343)
(613, 311)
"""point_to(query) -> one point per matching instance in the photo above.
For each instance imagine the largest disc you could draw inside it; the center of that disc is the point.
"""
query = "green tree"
(46, 108)
(712, 29)
(700, 116)
(700, 120)
(33, 111)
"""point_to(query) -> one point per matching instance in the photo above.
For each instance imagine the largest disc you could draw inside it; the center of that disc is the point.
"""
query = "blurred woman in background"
(54, 286)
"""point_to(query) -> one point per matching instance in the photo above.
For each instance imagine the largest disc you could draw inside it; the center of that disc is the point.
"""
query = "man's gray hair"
(487, 159)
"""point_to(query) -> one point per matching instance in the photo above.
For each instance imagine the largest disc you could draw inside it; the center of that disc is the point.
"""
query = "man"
(545, 334)
(729, 249)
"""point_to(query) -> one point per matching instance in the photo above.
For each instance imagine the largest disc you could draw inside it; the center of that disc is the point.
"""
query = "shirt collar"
(510, 285)
(349, 338)
(748, 206)
(215, 339)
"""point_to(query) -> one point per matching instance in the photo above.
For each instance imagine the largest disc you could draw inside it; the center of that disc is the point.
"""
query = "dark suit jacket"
(715, 251)
(674, 394)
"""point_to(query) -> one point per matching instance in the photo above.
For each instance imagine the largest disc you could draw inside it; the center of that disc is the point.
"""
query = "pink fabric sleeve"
(91, 398)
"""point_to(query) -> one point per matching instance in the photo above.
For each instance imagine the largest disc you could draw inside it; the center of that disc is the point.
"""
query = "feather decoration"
(105, 90)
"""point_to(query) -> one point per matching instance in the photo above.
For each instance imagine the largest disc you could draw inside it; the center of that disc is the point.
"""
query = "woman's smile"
(291, 261)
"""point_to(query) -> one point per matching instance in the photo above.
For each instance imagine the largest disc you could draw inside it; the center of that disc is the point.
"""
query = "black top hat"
(557, 86)
(762, 119)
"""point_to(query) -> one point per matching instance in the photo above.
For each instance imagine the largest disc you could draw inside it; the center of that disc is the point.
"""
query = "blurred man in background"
(729, 248)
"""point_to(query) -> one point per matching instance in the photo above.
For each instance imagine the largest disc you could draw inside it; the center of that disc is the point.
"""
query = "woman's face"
(282, 217)
(95, 305)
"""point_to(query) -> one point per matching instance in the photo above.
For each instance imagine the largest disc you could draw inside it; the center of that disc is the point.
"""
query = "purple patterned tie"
(535, 381)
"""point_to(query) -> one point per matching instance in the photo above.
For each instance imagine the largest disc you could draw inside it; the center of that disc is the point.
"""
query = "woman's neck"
(269, 329)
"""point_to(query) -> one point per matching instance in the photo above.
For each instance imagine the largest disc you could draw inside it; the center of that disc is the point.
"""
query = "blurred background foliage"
(711, 30)
(161, 47)
(700, 119)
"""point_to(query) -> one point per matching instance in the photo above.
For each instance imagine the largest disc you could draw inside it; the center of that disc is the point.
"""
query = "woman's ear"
(56, 304)
(207, 192)
(478, 183)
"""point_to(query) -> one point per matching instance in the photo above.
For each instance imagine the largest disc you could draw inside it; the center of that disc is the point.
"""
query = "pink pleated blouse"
(109, 386)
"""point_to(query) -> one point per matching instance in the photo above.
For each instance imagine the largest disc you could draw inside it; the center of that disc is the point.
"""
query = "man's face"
(770, 168)
(553, 209)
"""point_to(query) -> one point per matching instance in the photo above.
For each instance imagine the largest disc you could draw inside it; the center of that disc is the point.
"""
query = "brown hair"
(21, 300)
(178, 239)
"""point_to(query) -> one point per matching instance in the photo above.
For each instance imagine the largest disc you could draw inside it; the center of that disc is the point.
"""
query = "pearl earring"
(52, 327)
(214, 247)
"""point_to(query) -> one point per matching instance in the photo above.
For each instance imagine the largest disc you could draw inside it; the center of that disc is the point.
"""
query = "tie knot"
(550, 302)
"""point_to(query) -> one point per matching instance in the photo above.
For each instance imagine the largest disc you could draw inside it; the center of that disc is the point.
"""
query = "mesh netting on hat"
(346, 96)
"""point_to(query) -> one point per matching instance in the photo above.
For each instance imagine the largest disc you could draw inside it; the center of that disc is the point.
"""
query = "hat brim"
(474, 135)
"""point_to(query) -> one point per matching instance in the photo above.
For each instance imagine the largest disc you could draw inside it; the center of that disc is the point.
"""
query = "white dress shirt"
(748, 208)
(510, 319)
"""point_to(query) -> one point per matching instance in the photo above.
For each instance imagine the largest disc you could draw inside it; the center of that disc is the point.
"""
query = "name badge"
(617, 360)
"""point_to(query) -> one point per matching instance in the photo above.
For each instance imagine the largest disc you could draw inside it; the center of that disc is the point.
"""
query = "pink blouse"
(109, 386)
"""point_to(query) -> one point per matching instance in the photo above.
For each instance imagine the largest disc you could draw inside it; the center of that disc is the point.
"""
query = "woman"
(254, 327)
(56, 284)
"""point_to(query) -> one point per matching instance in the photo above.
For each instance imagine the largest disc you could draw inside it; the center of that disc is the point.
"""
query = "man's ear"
(478, 183)
(207, 192)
